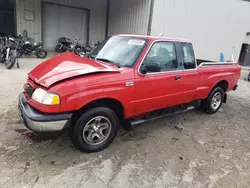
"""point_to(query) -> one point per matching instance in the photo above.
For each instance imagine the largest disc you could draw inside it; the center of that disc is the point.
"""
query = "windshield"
(124, 51)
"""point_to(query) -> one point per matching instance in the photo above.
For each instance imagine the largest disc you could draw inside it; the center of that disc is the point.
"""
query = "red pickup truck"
(121, 80)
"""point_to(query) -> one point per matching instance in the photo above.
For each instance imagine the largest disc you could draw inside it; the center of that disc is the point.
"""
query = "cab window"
(163, 54)
(189, 61)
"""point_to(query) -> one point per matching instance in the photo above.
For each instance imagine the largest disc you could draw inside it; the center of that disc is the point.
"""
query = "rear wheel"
(95, 130)
(214, 101)
(41, 53)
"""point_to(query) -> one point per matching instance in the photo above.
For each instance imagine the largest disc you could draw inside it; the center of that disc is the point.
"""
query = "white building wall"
(28, 16)
(129, 16)
(97, 16)
(214, 26)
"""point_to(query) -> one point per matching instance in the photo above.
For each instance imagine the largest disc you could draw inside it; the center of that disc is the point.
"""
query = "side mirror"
(151, 67)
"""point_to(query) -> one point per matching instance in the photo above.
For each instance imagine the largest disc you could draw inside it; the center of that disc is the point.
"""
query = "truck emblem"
(129, 84)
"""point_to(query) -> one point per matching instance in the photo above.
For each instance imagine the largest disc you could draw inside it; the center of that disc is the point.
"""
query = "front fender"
(116, 91)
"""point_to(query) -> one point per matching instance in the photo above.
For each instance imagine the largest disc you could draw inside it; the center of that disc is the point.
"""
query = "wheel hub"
(216, 101)
(97, 130)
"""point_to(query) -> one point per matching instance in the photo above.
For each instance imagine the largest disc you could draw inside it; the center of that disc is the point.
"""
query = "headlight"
(38, 95)
(44, 97)
(51, 99)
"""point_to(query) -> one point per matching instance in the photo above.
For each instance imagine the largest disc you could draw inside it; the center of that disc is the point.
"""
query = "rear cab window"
(189, 61)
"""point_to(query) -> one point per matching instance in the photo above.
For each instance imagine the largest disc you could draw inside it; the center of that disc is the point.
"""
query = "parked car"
(123, 79)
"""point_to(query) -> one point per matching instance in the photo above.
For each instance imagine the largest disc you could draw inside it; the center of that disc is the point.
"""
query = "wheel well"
(113, 104)
(223, 84)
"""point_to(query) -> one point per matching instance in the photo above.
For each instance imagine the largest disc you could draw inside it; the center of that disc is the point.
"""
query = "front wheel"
(10, 62)
(95, 130)
(214, 101)
(59, 49)
(41, 53)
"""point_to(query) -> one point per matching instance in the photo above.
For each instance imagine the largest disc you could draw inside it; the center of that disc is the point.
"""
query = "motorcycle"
(28, 49)
(76, 48)
(64, 44)
(71, 45)
(8, 52)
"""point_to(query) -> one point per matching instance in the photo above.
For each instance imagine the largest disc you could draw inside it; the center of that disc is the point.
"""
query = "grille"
(29, 90)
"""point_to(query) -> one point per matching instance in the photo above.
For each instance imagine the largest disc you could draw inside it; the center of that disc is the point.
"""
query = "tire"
(58, 49)
(10, 62)
(2, 60)
(85, 133)
(209, 105)
(41, 53)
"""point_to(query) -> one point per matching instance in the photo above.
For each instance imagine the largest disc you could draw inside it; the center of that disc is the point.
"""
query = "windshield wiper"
(109, 61)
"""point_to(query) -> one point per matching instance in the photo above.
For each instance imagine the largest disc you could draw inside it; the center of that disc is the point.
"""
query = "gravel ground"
(211, 151)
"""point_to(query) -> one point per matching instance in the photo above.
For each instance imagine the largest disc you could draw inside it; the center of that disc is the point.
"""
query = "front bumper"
(42, 124)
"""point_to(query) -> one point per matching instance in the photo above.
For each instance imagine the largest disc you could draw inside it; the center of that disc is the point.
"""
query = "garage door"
(59, 21)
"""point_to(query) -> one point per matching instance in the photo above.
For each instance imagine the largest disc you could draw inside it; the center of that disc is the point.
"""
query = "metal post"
(107, 17)
(150, 17)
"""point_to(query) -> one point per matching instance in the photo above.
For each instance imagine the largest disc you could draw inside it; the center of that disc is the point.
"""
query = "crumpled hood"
(64, 66)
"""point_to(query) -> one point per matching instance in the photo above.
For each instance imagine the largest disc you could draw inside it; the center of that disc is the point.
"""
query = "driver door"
(161, 89)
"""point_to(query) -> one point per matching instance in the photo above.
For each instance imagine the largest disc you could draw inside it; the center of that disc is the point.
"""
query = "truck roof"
(154, 37)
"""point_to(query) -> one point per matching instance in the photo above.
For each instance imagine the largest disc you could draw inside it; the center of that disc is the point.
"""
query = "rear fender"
(215, 79)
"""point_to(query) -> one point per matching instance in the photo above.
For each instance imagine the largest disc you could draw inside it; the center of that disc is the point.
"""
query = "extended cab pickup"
(121, 80)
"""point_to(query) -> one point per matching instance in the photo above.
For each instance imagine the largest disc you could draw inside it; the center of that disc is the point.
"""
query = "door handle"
(177, 77)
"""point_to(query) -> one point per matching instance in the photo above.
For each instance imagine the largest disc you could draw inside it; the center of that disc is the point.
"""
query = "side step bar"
(141, 121)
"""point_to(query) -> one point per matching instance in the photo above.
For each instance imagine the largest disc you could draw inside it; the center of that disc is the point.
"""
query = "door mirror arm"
(143, 69)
